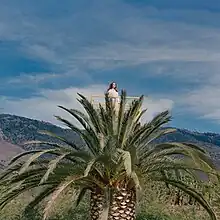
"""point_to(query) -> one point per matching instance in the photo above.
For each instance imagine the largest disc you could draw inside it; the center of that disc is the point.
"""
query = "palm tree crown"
(119, 154)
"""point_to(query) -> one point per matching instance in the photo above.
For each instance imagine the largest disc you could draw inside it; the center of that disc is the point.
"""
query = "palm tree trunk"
(96, 204)
(122, 206)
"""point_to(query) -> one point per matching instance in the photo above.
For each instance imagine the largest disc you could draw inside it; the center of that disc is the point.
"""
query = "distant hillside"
(15, 130)
(7, 151)
(210, 141)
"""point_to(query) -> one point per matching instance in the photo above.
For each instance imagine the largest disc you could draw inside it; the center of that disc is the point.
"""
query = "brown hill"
(7, 151)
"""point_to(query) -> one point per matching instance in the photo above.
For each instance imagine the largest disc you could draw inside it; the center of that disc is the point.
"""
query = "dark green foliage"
(147, 216)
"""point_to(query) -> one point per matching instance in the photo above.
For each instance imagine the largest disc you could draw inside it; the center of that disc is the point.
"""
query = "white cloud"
(44, 106)
(204, 101)
(36, 78)
(156, 106)
(44, 53)
(110, 35)
(142, 54)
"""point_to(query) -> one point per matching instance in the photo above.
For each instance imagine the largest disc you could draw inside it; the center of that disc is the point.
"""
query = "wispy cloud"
(78, 39)
(36, 78)
(204, 102)
(104, 36)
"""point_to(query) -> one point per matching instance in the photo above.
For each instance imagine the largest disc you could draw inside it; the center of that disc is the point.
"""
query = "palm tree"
(119, 154)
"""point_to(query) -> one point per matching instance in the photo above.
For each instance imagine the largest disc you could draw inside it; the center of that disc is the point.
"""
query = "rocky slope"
(7, 150)
(15, 130)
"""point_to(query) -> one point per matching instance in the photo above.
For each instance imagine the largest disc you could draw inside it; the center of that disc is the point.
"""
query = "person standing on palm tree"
(113, 95)
(118, 158)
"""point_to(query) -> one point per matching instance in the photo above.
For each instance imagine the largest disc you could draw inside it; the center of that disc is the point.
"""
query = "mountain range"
(15, 130)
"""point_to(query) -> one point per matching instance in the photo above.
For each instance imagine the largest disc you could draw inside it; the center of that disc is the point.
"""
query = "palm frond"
(17, 157)
(82, 119)
(8, 171)
(51, 134)
(33, 158)
(81, 195)
(106, 121)
(91, 143)
(155, 124)
(52, 166)
(130, 120)
(89, 167)
(106, 207)
(126, 158)
(121, 112)
(155, 136)
(170, 148)
(51, 144)
(16, 191)
(40, 197)
(63, 187)
(91, 111)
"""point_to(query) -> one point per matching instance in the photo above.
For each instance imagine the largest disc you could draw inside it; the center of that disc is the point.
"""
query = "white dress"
(112, 93)
(114, 97)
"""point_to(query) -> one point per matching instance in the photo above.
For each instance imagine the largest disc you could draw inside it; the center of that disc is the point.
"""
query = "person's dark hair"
(111, 86)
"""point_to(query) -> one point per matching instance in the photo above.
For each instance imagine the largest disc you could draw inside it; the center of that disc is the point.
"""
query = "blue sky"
(168, 50)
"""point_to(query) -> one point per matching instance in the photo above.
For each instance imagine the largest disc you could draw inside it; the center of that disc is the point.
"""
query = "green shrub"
(148, 216)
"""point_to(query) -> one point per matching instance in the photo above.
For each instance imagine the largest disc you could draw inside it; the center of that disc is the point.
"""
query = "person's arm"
(118, 98)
